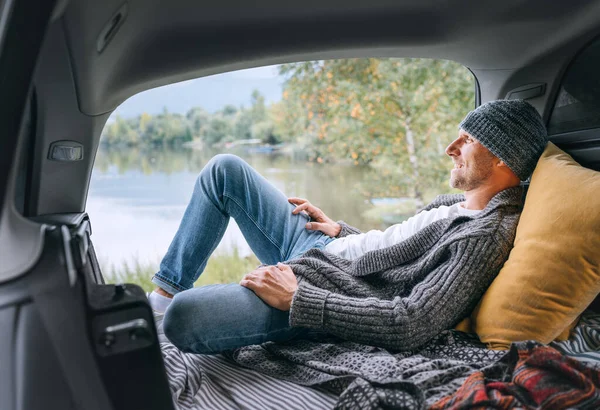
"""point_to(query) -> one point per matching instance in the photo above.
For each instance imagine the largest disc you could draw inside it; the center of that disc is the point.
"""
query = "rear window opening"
(363, 139)
(577, 106)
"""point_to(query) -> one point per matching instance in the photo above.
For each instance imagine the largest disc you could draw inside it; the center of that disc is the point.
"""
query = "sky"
(210, 93)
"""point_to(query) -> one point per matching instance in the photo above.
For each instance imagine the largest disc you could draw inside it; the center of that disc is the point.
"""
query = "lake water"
(137, 197)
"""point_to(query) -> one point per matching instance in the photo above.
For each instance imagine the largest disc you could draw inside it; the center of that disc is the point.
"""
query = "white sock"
(159, 303)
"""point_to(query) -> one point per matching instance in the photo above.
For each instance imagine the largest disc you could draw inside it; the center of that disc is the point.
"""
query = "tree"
(395, 114)
(257, 107)
(167, 128)
(242, 128)
(229, 110)
(219, 129)
(265, 132)
(121, 131)
(198, 120)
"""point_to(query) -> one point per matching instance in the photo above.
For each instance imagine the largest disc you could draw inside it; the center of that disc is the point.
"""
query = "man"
(394, 289)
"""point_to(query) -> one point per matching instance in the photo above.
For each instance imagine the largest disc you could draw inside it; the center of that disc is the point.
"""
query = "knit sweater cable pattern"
(401, 296)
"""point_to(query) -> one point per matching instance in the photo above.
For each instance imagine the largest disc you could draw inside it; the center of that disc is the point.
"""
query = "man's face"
(473, 163)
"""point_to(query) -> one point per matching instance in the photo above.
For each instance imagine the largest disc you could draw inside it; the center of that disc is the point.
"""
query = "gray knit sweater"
(401, 296)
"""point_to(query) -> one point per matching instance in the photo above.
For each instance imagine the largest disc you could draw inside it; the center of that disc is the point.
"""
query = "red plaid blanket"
(542, 378)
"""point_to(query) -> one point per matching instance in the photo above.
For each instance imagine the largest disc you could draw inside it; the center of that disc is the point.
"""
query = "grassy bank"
(221, 268)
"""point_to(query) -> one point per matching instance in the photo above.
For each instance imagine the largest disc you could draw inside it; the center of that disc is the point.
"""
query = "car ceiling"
(161, 42)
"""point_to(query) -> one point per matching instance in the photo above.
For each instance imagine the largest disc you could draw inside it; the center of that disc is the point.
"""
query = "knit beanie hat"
(512, 130)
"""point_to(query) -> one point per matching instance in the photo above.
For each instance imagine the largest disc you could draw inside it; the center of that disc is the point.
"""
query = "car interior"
(73, 342)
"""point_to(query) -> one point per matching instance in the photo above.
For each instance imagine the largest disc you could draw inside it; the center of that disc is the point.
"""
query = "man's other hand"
(320, 221)
(275, 285)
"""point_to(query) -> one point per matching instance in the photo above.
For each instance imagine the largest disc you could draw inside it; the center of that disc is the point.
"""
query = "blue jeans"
(214, 318)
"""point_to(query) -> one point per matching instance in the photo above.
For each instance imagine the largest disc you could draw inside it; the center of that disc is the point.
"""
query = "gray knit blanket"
(365, 377)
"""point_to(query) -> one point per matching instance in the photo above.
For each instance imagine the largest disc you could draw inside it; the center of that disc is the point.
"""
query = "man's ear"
(501, 163)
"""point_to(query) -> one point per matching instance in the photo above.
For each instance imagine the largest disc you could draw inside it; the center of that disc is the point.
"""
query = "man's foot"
(158, 301)
(163, 292)
(158, 319)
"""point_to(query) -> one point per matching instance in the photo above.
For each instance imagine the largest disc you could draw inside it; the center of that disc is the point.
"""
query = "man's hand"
(275, 285)
(320, 221)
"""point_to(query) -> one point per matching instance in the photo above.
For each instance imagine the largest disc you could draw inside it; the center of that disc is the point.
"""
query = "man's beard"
(472, 177)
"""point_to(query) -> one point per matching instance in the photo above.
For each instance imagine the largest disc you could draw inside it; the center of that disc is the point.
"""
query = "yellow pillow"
(553, 272)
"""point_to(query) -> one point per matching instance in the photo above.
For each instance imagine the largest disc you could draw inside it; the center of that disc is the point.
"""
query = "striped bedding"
(584, 343)
(216, 382)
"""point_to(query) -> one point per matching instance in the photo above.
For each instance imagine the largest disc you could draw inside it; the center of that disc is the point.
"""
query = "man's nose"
(454, 148)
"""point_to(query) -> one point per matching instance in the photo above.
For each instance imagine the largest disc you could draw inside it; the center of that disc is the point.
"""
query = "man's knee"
(180, 323)
(223, 164)
(219, 169)
(174, 324)
(213, 318)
